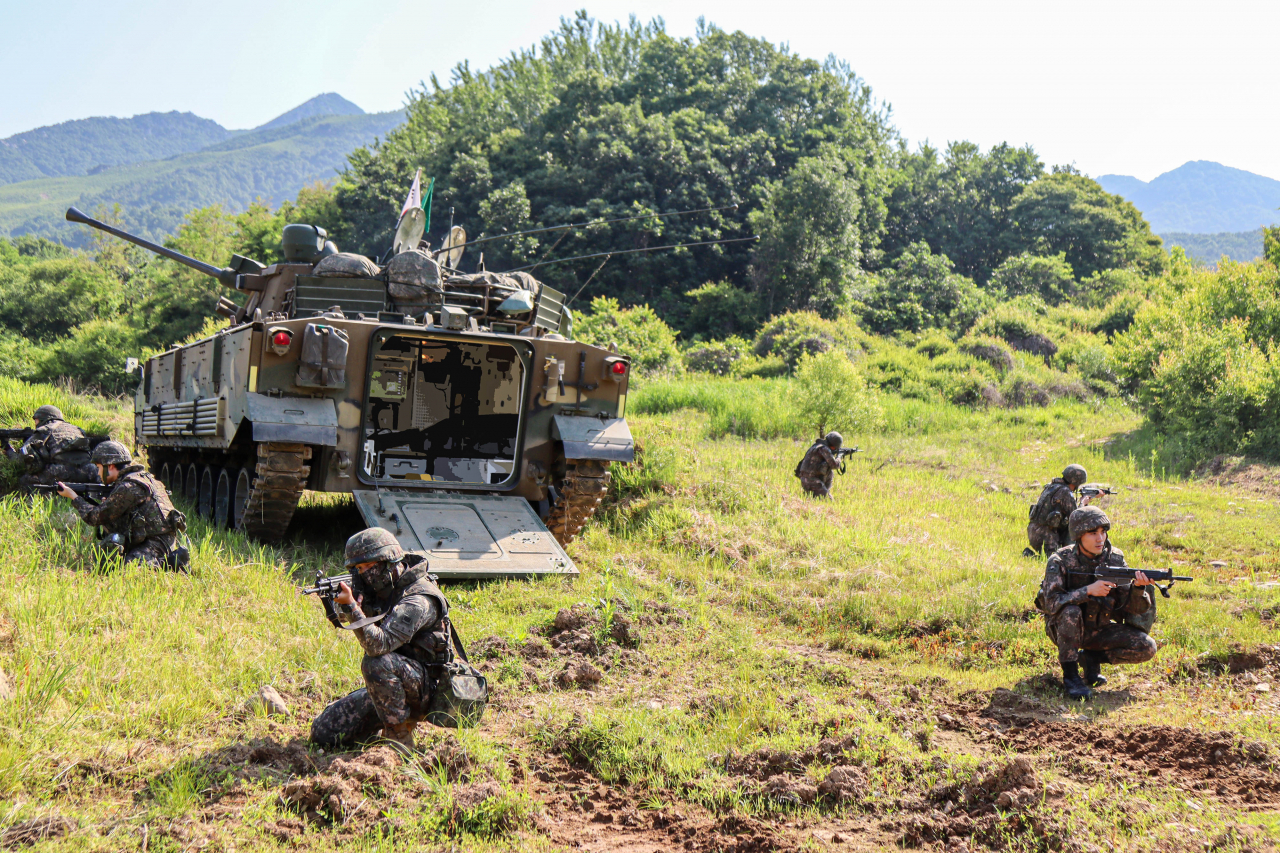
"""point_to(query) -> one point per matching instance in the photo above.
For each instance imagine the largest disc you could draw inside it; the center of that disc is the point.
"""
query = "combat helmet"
(833, 440)
(373, 544)
(44, 414)
(1074, 474)
(1085, 519)
(110, 453)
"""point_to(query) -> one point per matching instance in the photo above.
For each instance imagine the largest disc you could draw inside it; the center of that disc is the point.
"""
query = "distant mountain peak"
(328, 104)
(1201, 197)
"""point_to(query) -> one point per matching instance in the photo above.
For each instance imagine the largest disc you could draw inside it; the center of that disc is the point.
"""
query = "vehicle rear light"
(619, 368)
(282, 339)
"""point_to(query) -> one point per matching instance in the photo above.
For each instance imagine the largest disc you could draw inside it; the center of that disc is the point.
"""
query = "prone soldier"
(400, 618)
(815, 470)
(1091, 619)
(55, 450)
(137, 515)
(1047, 525)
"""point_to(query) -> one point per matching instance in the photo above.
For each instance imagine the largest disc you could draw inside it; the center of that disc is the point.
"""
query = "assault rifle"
(842, 456)
(92, 492)
(1095, 491)
(1122, 576)
(328, 588)
(26, 432)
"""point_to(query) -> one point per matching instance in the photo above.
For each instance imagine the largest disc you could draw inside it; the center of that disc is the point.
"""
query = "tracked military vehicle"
(456, 409)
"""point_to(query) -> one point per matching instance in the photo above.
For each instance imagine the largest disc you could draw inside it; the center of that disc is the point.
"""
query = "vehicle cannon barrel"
(225, 275)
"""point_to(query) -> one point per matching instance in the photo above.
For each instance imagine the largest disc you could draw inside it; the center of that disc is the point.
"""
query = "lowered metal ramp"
(468, 537)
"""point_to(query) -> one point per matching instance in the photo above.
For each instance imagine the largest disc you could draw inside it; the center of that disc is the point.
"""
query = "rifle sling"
(368, 620)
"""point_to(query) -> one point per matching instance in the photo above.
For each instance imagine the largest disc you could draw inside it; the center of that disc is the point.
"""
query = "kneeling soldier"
(139, 518)
(819, 463)
(399, 616)
(1093, 621)
(55, 450)
(1047, 525)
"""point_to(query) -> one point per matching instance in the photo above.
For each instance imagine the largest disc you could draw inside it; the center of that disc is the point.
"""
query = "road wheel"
(208, 485)
(240, 498)
(224, 496)
(166, 475)
(191, 484)
(175, 484)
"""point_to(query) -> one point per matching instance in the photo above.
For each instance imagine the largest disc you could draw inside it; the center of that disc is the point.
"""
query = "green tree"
(809, 252)
(1069, 214)
(614, 121)
(1049, 278)
(922, 292)
(832, 395)
(638, 332)
(960, 203)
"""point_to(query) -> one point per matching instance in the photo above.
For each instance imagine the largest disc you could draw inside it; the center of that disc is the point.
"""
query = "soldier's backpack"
(1042, 509)
(461, 691)
(800, 464)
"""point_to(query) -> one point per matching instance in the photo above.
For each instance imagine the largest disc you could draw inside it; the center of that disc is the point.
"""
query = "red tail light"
(619, 368)
(282, 339)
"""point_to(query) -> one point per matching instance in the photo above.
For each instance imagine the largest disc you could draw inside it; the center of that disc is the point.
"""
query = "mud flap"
(468, 537)
(606, 439)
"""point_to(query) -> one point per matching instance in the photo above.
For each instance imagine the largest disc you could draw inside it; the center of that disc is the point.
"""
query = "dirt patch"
(1214, 764)
(1249, 475)
(29, 832)
(340, 794)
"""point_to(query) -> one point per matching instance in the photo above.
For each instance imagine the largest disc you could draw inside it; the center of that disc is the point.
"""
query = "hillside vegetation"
(741, 668)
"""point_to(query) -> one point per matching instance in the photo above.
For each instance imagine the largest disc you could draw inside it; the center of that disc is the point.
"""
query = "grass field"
(735, 668)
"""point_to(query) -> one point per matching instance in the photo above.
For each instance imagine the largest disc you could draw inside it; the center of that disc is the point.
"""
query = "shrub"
(638, 332)
(923, 292)
(832, 395)
(94, 356)
(800, 333)
(991, 350)
(721, 310)
(717, 357)
(934, 344)
(1049, 278)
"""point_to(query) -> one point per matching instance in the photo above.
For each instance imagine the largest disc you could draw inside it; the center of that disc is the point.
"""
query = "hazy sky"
(1123, 86)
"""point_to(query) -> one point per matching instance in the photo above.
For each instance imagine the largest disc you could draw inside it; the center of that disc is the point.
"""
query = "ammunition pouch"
(460, 693)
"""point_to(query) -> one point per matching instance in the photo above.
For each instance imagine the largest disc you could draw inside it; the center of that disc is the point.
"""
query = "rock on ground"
(269, 700)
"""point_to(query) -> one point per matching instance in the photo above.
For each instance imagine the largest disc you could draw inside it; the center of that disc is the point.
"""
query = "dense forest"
(984, 278)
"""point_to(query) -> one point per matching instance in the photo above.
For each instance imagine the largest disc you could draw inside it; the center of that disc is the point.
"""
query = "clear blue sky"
(1124, 86)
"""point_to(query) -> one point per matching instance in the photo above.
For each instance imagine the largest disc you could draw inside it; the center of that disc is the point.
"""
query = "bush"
(717, 357)
(94, 356)
(923, 292)
(1201, 359)
(832, 395)
(1049, 278)
(800, 333)
(638, 333)
(721, 310)
(991, 350)
(934, 344)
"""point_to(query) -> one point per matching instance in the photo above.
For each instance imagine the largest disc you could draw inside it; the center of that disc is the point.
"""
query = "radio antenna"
(633, 251)
(600, 222)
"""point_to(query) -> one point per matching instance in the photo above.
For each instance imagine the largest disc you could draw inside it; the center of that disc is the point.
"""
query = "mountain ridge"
(1201, 197)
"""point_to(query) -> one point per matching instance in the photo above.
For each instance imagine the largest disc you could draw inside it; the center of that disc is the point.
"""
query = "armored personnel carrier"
(456, 409)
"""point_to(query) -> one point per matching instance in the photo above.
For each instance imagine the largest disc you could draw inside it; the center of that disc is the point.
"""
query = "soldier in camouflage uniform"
(400, 618)
(819, 463)
(137, 515)
(1047, 528)
(1091, 620)
(55, 451)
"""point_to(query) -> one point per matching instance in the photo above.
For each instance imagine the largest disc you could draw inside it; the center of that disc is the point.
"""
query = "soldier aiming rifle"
(823, 458)
(51, 451)
(391, 604)
(1096, 608)
(135, 511)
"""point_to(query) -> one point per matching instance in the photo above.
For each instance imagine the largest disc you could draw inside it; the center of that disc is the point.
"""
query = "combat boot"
(1072, 683)
(1092, 662)
(401, 734)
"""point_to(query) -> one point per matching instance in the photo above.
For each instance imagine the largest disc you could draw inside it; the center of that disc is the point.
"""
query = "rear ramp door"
(480, 536)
